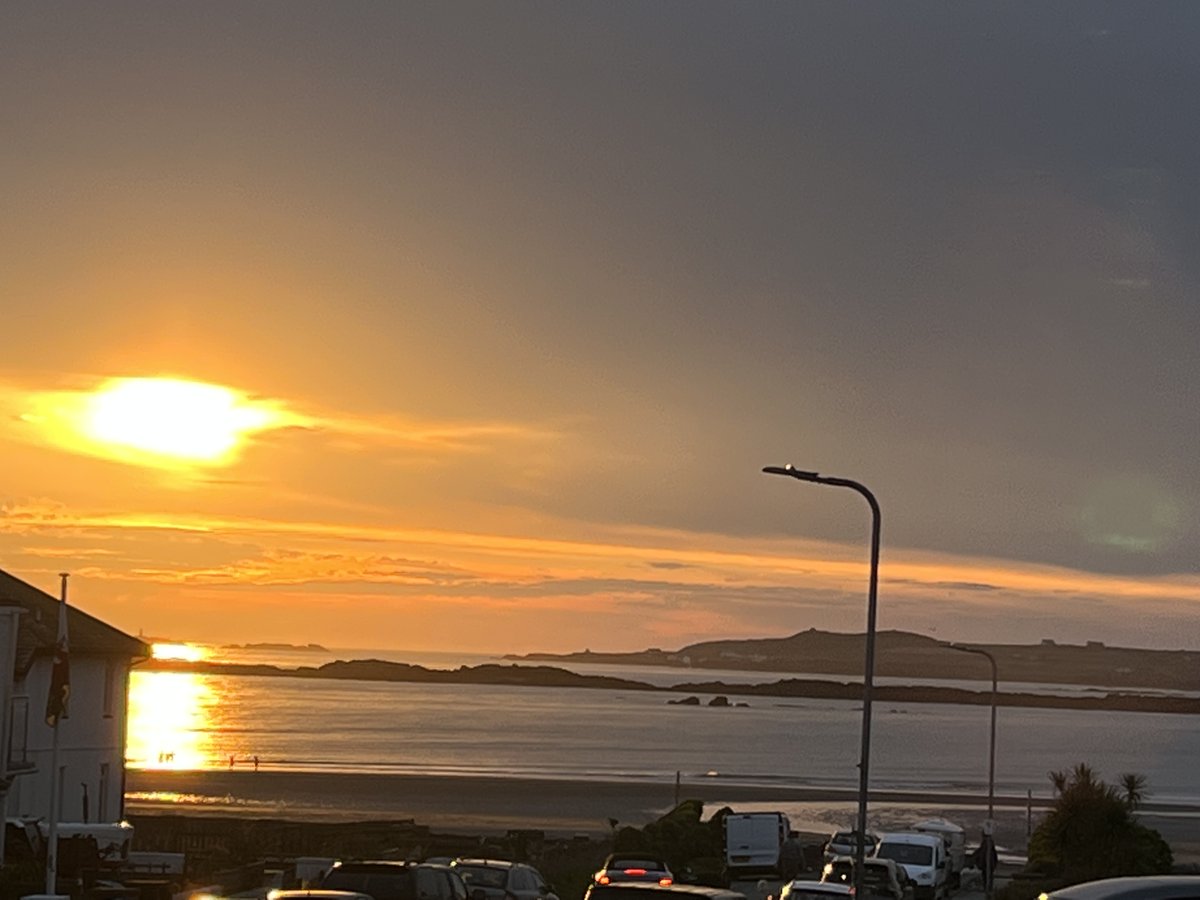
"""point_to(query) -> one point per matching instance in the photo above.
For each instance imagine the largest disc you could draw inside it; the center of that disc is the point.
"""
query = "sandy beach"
(564, 806)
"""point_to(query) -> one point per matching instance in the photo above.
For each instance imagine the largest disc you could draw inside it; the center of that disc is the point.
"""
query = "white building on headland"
(91, 736)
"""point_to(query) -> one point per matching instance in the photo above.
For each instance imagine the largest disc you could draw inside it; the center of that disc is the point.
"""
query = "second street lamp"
(869, 664)
(987, 842)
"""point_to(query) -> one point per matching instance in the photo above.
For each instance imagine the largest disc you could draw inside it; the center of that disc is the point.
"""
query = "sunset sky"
(470, 326)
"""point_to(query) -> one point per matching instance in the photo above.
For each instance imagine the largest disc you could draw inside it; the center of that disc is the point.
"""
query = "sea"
(199, 721)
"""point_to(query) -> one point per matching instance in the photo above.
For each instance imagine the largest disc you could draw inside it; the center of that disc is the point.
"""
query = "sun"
(163, 422)
(183, 420)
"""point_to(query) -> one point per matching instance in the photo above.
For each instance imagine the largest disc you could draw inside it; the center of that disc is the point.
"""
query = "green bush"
(1091, 832)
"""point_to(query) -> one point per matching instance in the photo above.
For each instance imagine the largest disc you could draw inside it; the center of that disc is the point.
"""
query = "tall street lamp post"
(986, 843)
(869, 666)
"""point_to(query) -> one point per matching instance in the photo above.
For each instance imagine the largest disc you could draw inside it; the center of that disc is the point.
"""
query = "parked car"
(631, 867)
(390, 880)
(752, 842)
(498, 879)
(956, 845)
(881, 877)
(1144, 887)
(801, 889)
(642, 890)
(845, 843)
(923, 856)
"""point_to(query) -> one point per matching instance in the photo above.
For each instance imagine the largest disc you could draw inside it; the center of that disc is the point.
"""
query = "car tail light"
(665, 882)
(602, 879)
(635, 871)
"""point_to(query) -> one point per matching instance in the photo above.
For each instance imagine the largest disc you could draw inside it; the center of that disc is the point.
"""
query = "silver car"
(498, 879)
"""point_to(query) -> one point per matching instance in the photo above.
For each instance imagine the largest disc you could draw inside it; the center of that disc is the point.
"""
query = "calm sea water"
(198, 721)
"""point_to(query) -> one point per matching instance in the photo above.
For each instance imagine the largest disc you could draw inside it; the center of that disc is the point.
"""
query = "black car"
(388, 880)
(634, 867)
(1145, 887)
(640, 890)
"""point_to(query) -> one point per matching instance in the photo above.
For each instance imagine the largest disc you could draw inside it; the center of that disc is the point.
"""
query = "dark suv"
(386, 880)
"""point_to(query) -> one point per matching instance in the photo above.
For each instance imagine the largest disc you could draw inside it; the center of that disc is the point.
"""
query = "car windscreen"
(483, 876)
(396, 885)
(912, 854)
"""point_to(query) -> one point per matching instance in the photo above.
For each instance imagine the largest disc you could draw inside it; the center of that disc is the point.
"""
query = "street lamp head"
(792, 472)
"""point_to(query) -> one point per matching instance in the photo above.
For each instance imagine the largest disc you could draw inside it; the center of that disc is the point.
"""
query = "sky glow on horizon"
(438, 327)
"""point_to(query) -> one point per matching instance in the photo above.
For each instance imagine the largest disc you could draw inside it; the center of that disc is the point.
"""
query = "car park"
(801, 889)
(634, 867)
(845, 843)
(499, 879)
(1144, 887)
(881, 877)
(393, 880)
(641, 890)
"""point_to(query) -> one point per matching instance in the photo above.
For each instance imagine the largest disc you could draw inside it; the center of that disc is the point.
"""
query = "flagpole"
(52, 837)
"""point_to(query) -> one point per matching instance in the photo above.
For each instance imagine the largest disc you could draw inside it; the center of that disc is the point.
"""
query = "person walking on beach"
(791, 857)
(255, 762)
(231, 759)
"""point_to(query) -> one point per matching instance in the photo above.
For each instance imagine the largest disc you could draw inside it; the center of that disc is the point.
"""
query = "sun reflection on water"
(170, 717)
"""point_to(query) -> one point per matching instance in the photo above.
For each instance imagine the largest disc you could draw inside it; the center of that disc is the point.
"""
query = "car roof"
(867, 860)
(371, 865)
(678, 890)
(491, 863)
(1143, 887)
(828, 887)
(314, 894)
(641, 857)
(924, 838)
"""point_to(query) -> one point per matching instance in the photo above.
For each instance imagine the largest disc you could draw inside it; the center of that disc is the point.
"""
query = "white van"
(956, 845)
(752, 842)
(923, 857)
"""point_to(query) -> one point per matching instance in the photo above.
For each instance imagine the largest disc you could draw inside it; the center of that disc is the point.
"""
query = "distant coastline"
(549, 676)
(304, 648)
(902, 654)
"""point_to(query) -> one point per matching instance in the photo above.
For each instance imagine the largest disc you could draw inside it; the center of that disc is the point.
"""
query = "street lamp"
(869, 667)
(986, 842)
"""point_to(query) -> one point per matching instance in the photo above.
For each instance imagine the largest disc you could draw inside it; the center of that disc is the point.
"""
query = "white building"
(91, 736)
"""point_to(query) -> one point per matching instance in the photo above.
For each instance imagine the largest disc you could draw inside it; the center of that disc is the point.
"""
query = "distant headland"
(901, 654)
(304, 648)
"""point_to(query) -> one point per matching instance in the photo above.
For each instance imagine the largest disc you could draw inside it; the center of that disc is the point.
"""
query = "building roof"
(38, 630)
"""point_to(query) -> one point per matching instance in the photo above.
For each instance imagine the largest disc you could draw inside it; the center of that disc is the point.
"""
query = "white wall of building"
(91, 742)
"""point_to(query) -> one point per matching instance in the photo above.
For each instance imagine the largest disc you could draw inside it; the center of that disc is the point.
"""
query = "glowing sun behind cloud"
(162, 422)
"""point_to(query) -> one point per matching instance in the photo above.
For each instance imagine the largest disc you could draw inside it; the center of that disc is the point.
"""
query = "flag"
(60, 674)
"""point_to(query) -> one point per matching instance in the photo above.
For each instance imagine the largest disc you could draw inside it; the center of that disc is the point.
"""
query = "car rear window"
(635, 863)
(483, 876)
(380, 885)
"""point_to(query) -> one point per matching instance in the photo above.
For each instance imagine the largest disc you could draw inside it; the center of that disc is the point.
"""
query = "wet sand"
(483, 804)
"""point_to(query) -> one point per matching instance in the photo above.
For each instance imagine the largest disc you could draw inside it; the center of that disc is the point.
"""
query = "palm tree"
(1134, 786)
(1059, 780)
